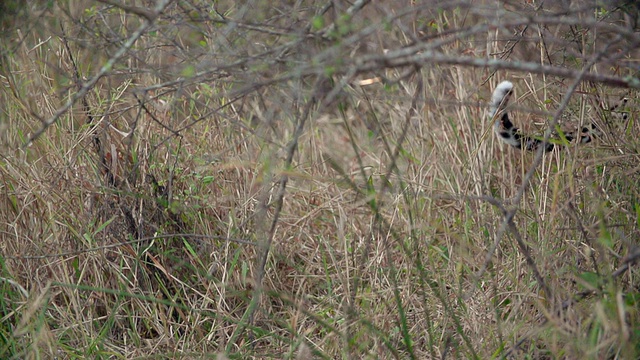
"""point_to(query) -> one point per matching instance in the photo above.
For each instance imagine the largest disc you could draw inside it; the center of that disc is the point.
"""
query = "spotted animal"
(510, 134)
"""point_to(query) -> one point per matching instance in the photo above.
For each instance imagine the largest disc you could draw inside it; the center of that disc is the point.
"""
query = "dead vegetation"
(190, 179)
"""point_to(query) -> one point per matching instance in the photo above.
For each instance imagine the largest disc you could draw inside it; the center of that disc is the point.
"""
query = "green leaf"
(206, 180)
(188, 71)
(104, 225)
(605, 238)
(317, 23)
(329, 70)
(591, 279)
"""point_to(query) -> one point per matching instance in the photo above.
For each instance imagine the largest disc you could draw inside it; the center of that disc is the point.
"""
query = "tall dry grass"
(236, 186)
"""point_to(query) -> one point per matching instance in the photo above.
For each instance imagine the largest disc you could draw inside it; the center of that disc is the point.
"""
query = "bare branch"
(407, 57)
(140, 11)
(162, 4)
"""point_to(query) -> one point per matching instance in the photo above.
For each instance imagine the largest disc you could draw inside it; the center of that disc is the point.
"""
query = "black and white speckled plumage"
(511, 135)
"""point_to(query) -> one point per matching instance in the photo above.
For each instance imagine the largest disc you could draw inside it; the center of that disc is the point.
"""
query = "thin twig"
(630, 260)
(265, 245)
(508, 220)
(140, 11)
(162, 4)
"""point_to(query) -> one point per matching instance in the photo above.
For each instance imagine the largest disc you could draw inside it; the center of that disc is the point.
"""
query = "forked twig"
(84, 89)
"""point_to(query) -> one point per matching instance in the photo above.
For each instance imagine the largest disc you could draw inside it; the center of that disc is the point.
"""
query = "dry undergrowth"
(134, 226)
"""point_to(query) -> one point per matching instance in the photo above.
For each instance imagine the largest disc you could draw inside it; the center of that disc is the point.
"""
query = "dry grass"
(389, 242)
